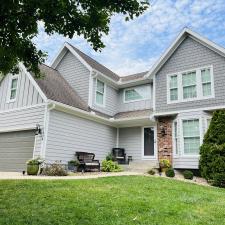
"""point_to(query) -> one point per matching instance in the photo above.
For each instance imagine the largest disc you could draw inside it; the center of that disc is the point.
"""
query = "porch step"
(140, 166)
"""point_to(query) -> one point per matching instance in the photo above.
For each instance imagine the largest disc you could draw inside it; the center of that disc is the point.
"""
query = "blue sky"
(134, 46)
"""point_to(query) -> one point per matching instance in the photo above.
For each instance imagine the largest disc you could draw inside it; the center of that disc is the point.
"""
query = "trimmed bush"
(170, 172)
(151, 172)
(219, 180)
(188, 175)
(110, 166)
(55, 169)
(212, 151)
(164, 163)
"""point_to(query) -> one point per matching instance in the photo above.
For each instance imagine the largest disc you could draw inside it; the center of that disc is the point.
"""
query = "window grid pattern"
(189, 85)
(173, 88)
(206, 82)
(100, 91)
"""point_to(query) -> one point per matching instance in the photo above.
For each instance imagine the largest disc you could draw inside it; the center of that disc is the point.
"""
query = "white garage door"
(15, 149)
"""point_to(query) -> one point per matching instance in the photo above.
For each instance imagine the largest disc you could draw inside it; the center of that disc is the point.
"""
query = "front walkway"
(75, 176)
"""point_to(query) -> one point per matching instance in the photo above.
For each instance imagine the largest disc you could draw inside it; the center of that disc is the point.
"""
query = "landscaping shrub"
(55, 169)
(212, 151)
(33, 166)
(151, 172)
(110, 166)
(110, 157)
(164, 163)
(188, 174)
(170, 172)
(219, 180)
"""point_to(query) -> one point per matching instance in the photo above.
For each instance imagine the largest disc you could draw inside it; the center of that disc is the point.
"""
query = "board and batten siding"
(76, 74)
(111, 100)
(135, 105)
(189, 55)
(131, 140)
(27, 94)
(68, 133)
(21, 119)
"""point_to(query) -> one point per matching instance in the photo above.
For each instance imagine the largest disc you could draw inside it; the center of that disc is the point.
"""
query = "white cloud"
(135, 45)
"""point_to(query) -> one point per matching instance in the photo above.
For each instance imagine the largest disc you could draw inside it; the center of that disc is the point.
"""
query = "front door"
(148, 142)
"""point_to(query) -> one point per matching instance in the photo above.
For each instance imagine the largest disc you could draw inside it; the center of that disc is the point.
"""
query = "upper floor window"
(100, 93)
(191, 85)
(137, 93)
(13, 86)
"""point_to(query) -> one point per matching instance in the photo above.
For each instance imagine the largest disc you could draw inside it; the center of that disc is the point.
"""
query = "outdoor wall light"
(38, 129)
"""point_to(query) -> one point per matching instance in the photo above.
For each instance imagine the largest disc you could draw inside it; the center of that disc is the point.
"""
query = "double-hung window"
(100, 93)
(173, 88)
(191, 137)
(189, 85)
(13, 88)
(206, 82)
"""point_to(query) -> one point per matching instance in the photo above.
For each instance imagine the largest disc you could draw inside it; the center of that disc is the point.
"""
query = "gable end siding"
(76, 74)
(189, 55)
(27, 94)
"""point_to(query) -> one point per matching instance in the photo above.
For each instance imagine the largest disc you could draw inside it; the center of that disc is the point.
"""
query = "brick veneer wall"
(165, 145)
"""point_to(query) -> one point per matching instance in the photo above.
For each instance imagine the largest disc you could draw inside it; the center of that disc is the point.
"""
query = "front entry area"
(15, 149)
(148, 142)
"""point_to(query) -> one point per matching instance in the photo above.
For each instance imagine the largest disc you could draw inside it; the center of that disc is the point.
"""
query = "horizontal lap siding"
(76, 74)
(189, 55)
(68, 134)
(27, 94)
(25, 118)
(186, 163)
(131, 140)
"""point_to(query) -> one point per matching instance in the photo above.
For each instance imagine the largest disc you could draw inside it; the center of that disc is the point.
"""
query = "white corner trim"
(34, 83)
(117, 137)
(90, 90)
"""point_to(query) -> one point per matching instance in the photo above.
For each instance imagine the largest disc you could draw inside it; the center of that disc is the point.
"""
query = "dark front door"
(148, 141)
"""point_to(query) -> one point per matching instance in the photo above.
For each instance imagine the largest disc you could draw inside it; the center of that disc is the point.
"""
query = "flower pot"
(32, 169)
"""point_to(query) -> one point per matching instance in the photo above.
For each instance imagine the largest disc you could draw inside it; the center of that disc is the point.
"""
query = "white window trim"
(104, 94)
(198, 85)
(137, 100)
(175, 155)
(12, 77)
(154, 157)
(182, 137)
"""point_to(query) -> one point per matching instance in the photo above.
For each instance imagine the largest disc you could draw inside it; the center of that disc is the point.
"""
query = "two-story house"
(81, 105)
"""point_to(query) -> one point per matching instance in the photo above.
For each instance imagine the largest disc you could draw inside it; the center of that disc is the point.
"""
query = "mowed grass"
(113, 200)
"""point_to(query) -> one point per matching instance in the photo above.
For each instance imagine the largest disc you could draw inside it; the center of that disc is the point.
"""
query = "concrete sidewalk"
(75, 176)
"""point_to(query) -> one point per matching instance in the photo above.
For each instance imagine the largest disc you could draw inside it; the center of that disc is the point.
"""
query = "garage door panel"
(15, 149)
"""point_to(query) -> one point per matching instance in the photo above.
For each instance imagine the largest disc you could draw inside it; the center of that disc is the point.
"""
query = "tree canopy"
(87, 18)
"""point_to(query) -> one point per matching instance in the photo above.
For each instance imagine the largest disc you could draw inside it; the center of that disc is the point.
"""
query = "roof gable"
(180, 38)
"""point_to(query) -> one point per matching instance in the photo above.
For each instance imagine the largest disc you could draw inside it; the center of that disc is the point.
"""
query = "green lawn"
(112, 200)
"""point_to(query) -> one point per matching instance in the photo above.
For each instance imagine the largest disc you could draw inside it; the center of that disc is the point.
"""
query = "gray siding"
(111, 100)
(27, 94)
(68, 134)
(132, 106)
(189, 55)
(24, 119)
(76, 74)
(131, 139)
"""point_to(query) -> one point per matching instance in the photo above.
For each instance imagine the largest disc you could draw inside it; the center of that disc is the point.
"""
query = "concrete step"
(140, 166)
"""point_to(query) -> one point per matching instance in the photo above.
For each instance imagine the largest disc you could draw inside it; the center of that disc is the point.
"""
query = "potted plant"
(72, 165)
(33, 166)
(164, 164)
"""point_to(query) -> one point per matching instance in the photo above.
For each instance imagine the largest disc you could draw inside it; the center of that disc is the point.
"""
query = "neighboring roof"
(185, 33)
(133, 114)
(56, 88)
(96, 65)
(132, 77)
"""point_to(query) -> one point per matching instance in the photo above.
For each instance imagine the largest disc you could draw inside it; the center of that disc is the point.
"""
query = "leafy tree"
(212, 151)
(87, 18)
